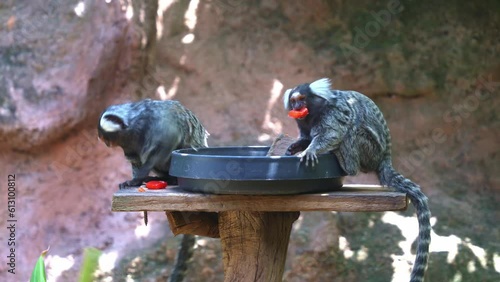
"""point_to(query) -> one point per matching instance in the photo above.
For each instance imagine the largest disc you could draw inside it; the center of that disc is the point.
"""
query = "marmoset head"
(308, 95)
(112, 124)
(109, 128)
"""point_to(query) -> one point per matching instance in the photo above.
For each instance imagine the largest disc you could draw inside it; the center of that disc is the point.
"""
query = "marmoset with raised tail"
(351, 126)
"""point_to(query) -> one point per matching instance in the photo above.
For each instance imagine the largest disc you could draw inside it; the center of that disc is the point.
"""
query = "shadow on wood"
(195, 223)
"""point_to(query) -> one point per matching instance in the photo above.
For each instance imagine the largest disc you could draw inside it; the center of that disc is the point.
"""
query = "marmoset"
(352, 127)
(148, 131)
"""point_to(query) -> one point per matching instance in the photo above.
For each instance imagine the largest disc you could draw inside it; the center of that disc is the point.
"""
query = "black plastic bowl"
(247, 170)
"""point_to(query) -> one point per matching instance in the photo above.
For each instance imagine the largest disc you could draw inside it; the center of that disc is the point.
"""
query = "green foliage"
(38, 274)
(89, 265)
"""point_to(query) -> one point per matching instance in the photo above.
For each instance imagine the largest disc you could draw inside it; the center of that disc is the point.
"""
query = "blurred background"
(433, 68)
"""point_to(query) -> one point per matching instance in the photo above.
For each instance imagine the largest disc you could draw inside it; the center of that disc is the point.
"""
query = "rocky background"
(433, 69)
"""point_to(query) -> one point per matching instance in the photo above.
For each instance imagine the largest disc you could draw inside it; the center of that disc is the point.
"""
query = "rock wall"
(432, 68)
(58, 67)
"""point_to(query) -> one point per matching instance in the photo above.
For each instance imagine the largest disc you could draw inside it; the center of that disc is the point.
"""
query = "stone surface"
(59, 67)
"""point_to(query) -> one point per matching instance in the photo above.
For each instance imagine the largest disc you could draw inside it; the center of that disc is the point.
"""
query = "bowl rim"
(183, 153)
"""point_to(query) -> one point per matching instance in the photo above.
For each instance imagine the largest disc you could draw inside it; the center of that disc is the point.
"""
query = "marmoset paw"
(309, 157)
(293, 149)
(130, 184)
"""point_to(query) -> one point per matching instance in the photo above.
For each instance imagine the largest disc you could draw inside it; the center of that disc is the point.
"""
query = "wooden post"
(255, 244)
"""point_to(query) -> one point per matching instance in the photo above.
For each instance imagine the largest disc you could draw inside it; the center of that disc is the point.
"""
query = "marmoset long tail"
(388, 176)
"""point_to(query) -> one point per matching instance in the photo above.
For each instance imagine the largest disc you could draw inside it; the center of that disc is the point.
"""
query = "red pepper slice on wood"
(156, 184)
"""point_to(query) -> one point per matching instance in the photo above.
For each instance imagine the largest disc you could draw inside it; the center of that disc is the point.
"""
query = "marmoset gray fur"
(148, 131)
(350, 125)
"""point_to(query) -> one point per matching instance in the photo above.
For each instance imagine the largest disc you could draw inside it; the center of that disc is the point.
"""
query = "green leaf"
(89, 265)
(38, 274)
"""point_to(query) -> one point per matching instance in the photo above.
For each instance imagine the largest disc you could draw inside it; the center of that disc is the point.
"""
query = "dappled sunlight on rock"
(56, 265)
(496, 262)
(190, 18)
(107, 261)
(80, 9)
(188, 38)
(163, 6)
(450, 244)
(344, 247)
(272, 124)
(170, 94)
(358, 255)
(298, 223)
(264, 137)
(479, 252)
(142, 230)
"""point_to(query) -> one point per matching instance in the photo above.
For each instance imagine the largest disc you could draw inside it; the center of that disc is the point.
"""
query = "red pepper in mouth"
(298, 113)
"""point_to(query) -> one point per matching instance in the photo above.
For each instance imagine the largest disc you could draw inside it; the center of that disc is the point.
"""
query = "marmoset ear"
(322, 88)
(286, 98)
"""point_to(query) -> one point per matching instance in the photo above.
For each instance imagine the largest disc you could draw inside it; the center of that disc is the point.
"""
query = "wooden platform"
(254, 230)
(351, 198)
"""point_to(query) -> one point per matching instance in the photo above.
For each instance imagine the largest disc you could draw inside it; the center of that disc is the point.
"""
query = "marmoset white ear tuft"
(286, 98)
(322, 88)
(109, 125)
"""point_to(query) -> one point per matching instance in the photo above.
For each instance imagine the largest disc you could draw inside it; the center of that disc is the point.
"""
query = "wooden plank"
(353, 198)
